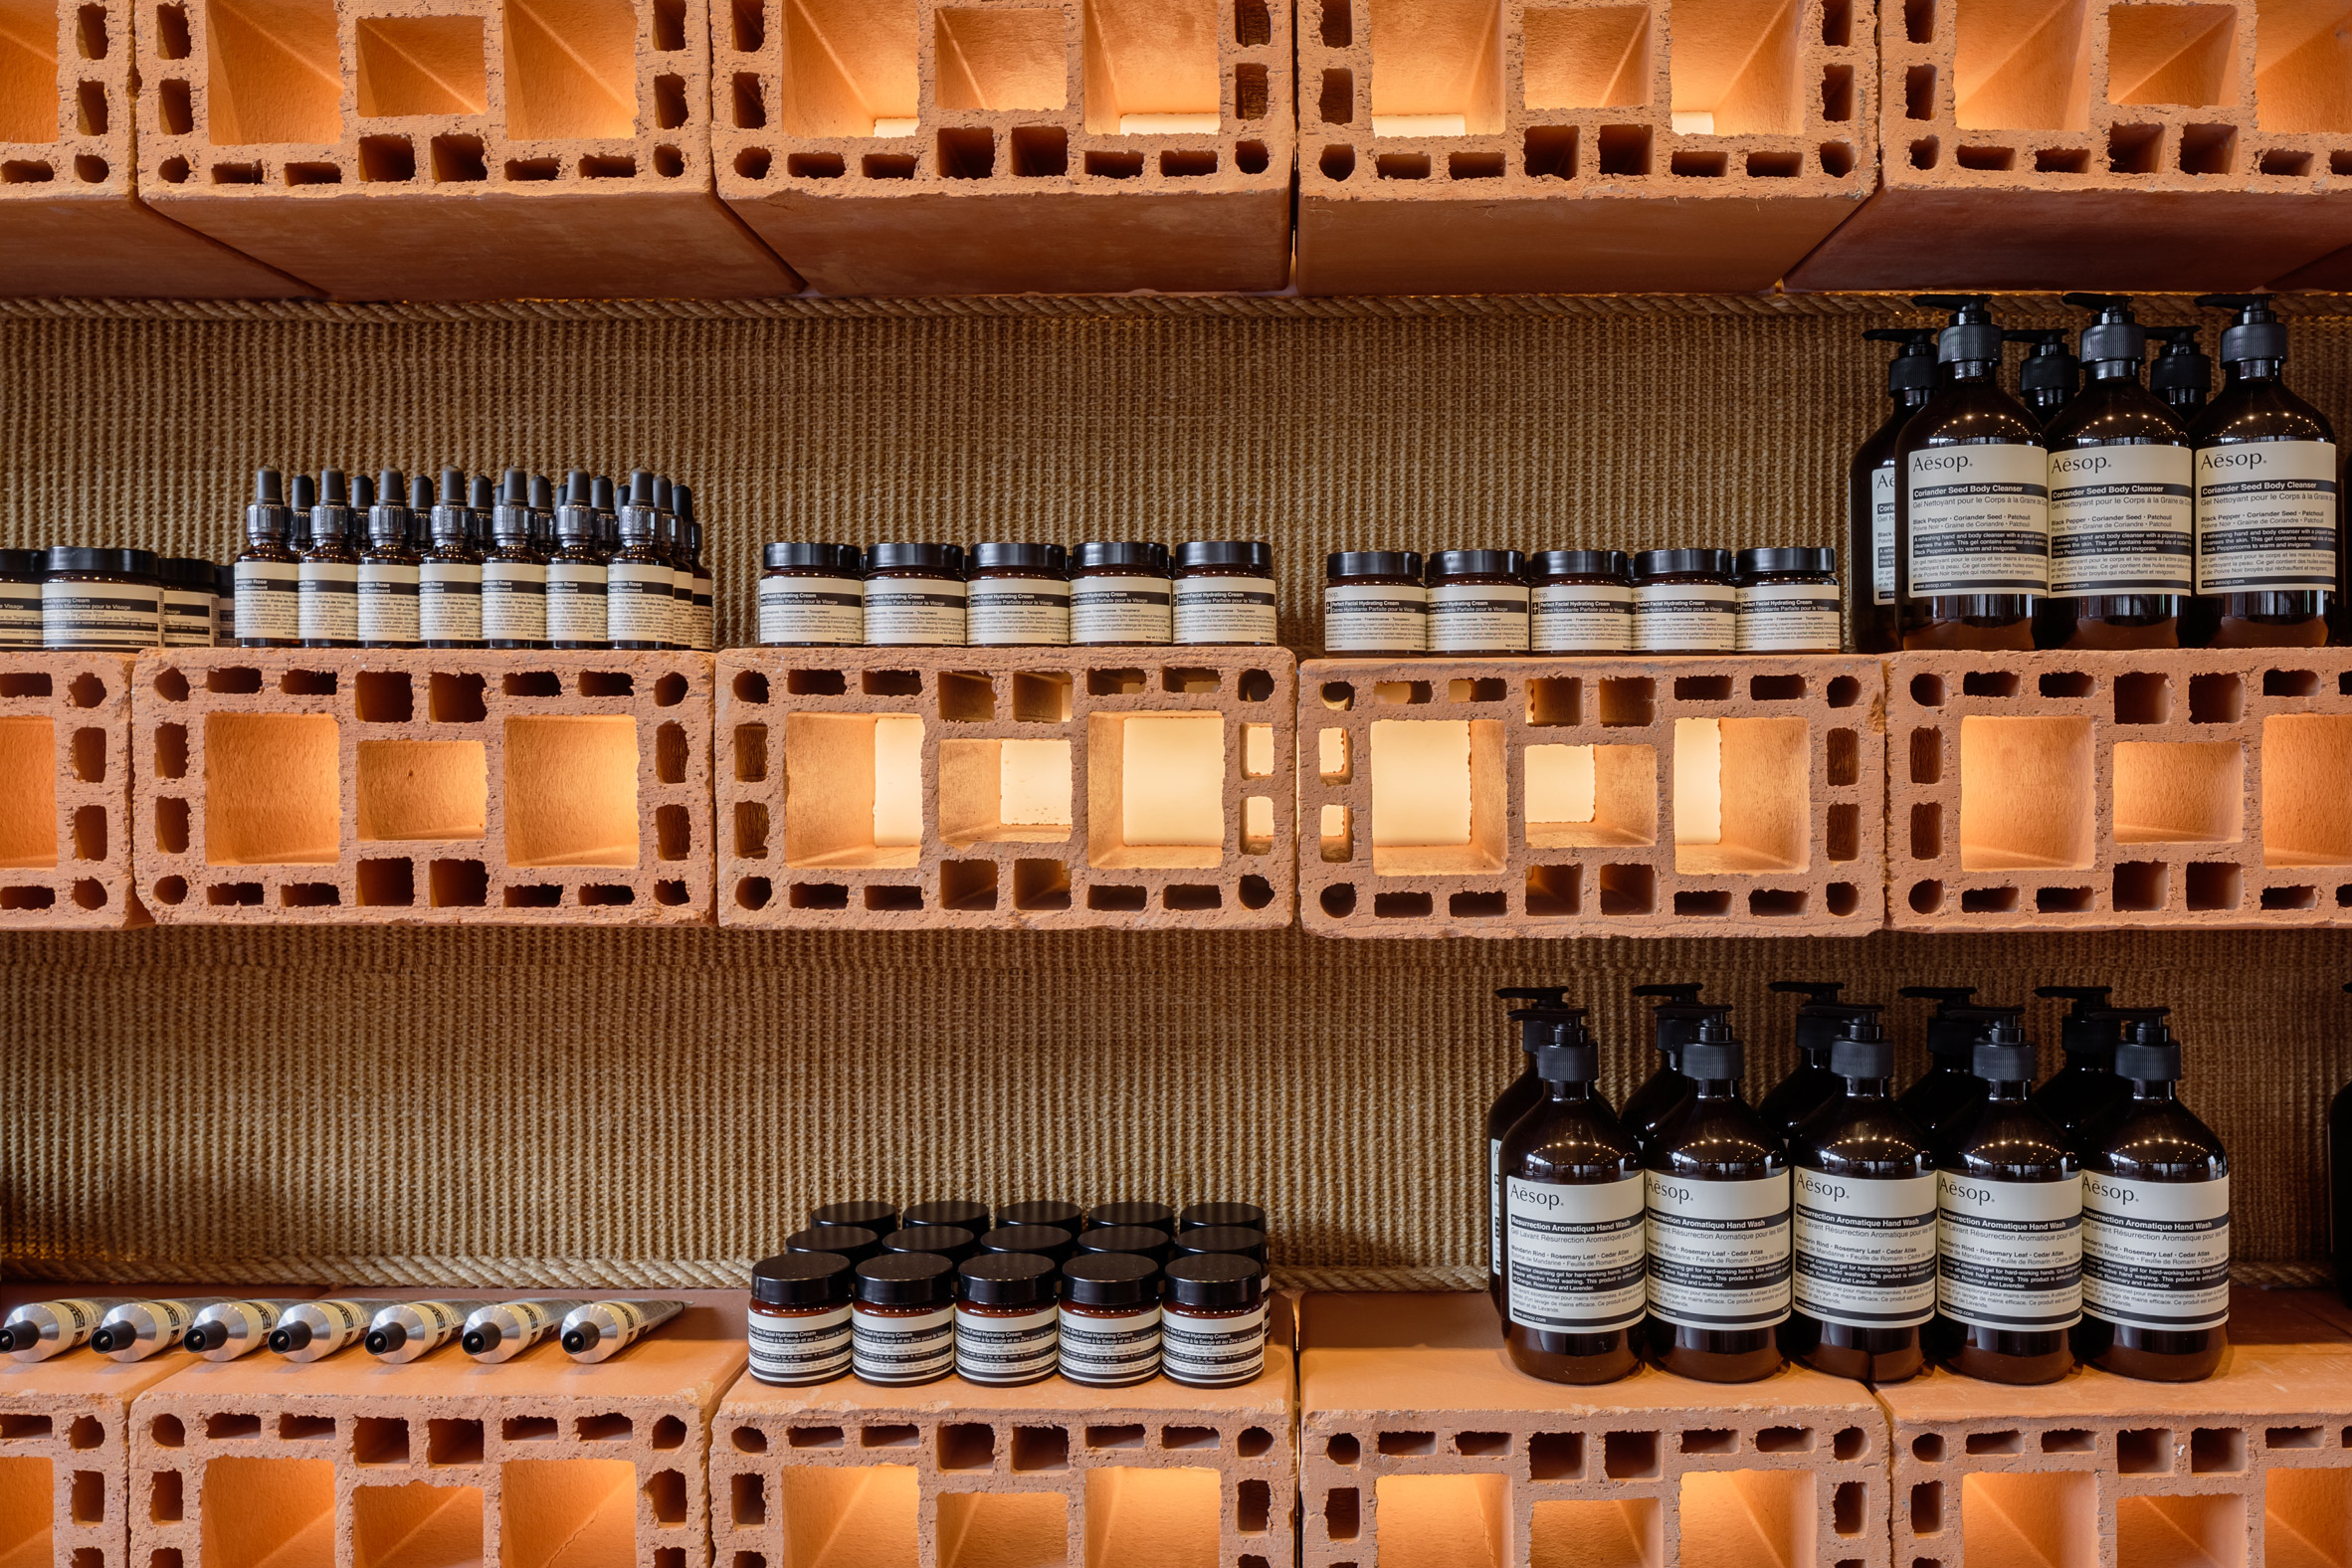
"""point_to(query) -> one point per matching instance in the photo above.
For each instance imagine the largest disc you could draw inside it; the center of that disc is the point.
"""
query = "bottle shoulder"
(1716, 1138)
(2160, 1141)
(2114, 413)
(1875, 1138)
(2259, 411)
(1970, 413)
(2007, 1140)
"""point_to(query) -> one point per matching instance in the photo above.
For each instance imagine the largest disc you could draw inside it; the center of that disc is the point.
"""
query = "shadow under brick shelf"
(1005, 787)
(424, 786)
(65, 791)
(2184, 788)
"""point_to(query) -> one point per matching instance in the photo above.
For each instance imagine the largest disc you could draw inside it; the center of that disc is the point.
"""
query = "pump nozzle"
(1946, 1035)
(1811, 989)
(1958, 303)
(2257, 333)
(1861, 1048)
(2182, 375)
(1714, 1052)
(2102, 302)
(1544, 997)
(2000, 1053)
(1687, 993)
(1972, 337)
(2148, 1053)
(2088, 1028)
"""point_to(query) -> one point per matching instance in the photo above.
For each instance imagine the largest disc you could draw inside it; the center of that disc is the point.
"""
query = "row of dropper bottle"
(1975, 1220)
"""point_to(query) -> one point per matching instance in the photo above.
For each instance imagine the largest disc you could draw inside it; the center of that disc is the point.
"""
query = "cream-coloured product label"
(636, 603)
(910, 1349)
(2120, 520)
(1479, 617)
(822, 612)
(1016, 611)
(2156, 1253)
(330, 601)
(1881, 533)
(102, 615)
(187, 617)
(268, 601)
(224, 620)
(514, 602)
(1493, 1207)
(449, 602)
(1720, 1251)
(703, 622)
(1108, 610)
(800, 1347)
(915, 611)
(682, 608)
(1376, 618)
(2267, 516)
(1787, 618)
(575, 602)
(388, 604)
(1578, 1254)
(1214, 1352)
(1685, 617)
(1864, 1249)
(1113, 1349)
(1580, 618)
(20, 615)
(1225, 609)
(992, 1349)
(2009, 1253)
(1980, 520)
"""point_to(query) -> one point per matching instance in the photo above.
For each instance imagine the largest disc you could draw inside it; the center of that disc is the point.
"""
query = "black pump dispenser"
(1810, 1084)
(1518, 1097)
(2086, 1086)
(2049, 374)
(1947, 1085)
(1865, 1237)
(1869, 494)
(1672, 1025)
(2180, 374)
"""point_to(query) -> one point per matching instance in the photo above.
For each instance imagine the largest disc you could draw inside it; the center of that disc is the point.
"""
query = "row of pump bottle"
(1977, 1219)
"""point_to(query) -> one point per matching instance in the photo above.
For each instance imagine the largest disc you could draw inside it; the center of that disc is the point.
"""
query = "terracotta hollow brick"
(1565, 797)
(1419, 1440)
(1006, 146)
(1508, 147)
(2182, 788)
(64, 792)
(892, 788)
(428, 786)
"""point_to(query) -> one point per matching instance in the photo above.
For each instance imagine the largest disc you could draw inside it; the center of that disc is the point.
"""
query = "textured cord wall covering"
(602, 1107)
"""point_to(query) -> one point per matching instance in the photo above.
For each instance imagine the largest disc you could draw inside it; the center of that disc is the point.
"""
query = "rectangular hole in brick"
(2213, 886)
(226, 1426)
(90, 751)
(1629, 1455)
(2215, 1450)
(2291, 898)
(1747, 1515)
(222, 896)
(2140, 885)
(1702, 689)
(672, 834)
(1776, 688)
(307, 683)
(292, 1428)
(1703, 903)
(2294, 1438)
(748, 1501)
(453, 1442)
(853, 789)
(2134, 149)
(1402, 905)
(2066, 684)
(1181, 163)
(1117, 899)
(1253, 1507)
(1777, 902)
(274, 1512)
(2064, 900)
(1920, 92)
(1837, 93)
(1107, 1437)
(1988, 900)
(607, 893)
(458, 885)
(90, 832)
(1784, 1440)
(1842, 839)
(1040, 1448)
(1191, 896)
(1764, 825)
(1987, 158)
(898, 898)
(379, 1440)
(1928, 756)
(1589, 796)
(608, 1427)
(1927, 1507)
(2144, 1451)
(1478, 905)
(1155, 788)
(1622, 1532)
(1997, 1441)
(534, 896)
(1549, 151)
(1437, 796)
(1849, 1509)
(2181, 792)
(533, 683)
(166, 1499)
(2026, 793)
(2070, 1440)
(666, 1493)
(310, 895)
(751, 830)
(1400, 694)
(1554, 891)
(2062, 160)
(1344, 1513)
(751, 753)
(1710, 1440)
(1488, 690)
(1424, 1518)
(28, 787)
(2290, 682)
(819, 1438)
(1114, 682)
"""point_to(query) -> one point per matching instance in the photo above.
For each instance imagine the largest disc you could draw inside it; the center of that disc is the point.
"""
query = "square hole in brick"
(967, 696)
(1151, 1515)
(1627, 889)
(1005, 791)
(1429, 1519)
(1155, 790)
(2189, 792)
(1437, 796)
(1587, 796)
(2216, 699)
(384, 696)
(1555, 1456)
(967, 885)
(2144, 1451)
(2141, 885)
(2141, 698)
(2158, 1531)
(272, 794)
(1040, 696)
(2306, 809)
(1629, 1455)
(966, 1446)
(2215, 886)
(455, 698)
(28, 793)
(453, 1442)
(556, 1512)
(1748, 1515)
(1555, 700)
(422, 790)
(416, 1526)
(1039, 884)
(1040, 1448)
(279, 1512)
(1762, 824)
(379, 1440)
(1554, 891)
(1627, 701)
(1598, 1533)
(2172, 55)
(458, 885)
(2026, 793)
(853, 789)
(2217, 1451)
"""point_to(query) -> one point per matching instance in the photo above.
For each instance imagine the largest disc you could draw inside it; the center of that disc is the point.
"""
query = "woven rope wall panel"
(588, 1106)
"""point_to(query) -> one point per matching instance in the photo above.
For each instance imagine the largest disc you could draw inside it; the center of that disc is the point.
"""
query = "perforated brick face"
(64, 792)
(65, 1456)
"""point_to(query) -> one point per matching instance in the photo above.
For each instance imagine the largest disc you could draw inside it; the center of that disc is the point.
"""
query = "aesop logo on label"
(1931, 462)
(2083, 463)
(2229, 457)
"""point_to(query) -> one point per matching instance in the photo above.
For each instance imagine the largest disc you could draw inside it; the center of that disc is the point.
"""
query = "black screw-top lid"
(1000, 555)
(1861, 1048)
(865, 1214)
(1715, 1053)
(82, 558)
(1250, 554)
(958, 1212)
(1110, 1280)
(1913, 369)
(841, 559)
(1143, 1241)
(20, 563)
(2148, 1053)
(1947, 1033)
(948, 1241)
(795, 1278)
(1154, 1216)
(1805, 560)
(1579, 563)
(1201, 1216)
(1344, 564)
(1047, 1241)
(1007, 1279)
(1971, 334)
(1650, 564)
(2181, 365)
(1215, 1281)
(1043, 1211)
(2256, 334)
(946, 560)
(1107, 553)
(1446, 565)
(907, 1279)
(851, 1242)
(1237, 1240)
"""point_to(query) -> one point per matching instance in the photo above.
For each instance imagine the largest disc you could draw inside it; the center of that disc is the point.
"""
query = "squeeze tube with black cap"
(1812, 1083)
(1152, 1216)
(190, 586)
(1947, 1087)
(388, 571)
(514, 572)
(1672, 1024)
(2008, 1225)
(227, 1331)
(1374, 602)
(2181, 375)
(20, 599)
(2155, 1220)
(952, 1241)
(1718, 1214)
(1213, 1321)
(503, 1331)
(2268, 496)
(799, 1317)
(449, 578)
(1972, 506)
(314, 1331)
(1478, 602)
(328, 580)
(1111, 1320)
(853, 1242)
(812, 596)
(1143, 1241)
(1121, 593)
(407, 1331)
(702, 616)
(2078, 1093)
(1047, 1241)
(2049, 374)
(902, 1320)
(1518, 1097)
(865, 1214)
(577, 569)
(1007, 1326)
(1864, 1281)
(1869, 494)
(1224, 592)
(639, 579)
(601, 1330)
(136, 1331)
(267, 571)
(38, 1330)
(1574, 1234)
(2120, 525)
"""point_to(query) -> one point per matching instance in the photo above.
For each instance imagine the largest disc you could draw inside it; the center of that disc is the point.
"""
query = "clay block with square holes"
(514, 150)
(895, 788)
(2124, 144)
(1573, 797)
(2252, 1467)
(1515, 146)
(1417, 1441)
(2194, 787)
(952, 1474)
(351, 1463)
(65, 791)
(415, 787)
(988, 146)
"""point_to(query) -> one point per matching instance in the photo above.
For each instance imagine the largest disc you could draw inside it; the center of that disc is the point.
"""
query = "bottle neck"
(2239, 371)
(2114, 369)
(2162, 1089)
(1869, 1087)
(1568, 1091)
(1716, 1089)
(1963, 372)
(2006, 1089)
(1908, 398)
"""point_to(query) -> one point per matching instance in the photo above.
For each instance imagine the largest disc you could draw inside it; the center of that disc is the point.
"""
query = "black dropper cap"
(1861, 1048)
(577, 519)
(1972, 336)
(2148, 1054)
(2088, 1028)
(1715, 1053)
(1913, 369)
(2051, 372)
(1142, 1240)
(1542, 996)
(287, 1338)
(485, 493)
(1947, 1034)
(2180, 374)
(2257, 333)
(1152, 1216)
(681, 502)
(801, 1280)
(1199, 1215)
(542, 494)
(2116, 336)
(205, 1337)
(511, 516)
(849, 1241)
(1043, 1211)
(331, 514)
(640, 519)
(420, 503)
(269, 518)
(363, 493)
(2001, 1053)
(1562, 1045)
(452, 519)
(388, 519)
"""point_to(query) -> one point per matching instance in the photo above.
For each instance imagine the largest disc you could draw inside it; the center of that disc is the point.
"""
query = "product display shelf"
(1538, 148)
(1005, 787)
(514, 150)
(65, 791)
(311, 785)
(984, 146)
(1587, 796)
(2134, 145)
(1419, 1443)
(2182, 788)
(949, 1475)
(353, 1462)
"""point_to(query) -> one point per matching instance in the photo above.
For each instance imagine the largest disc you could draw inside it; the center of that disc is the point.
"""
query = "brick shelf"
(1518, 797)
(892, 788)
(2193, 788)
(517, 788)
(65, 791)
